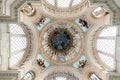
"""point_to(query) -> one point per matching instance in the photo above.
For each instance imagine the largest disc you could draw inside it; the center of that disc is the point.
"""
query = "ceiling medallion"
(61, 42)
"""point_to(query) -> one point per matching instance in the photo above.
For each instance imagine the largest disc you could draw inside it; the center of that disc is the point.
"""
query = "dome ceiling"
(61, 41)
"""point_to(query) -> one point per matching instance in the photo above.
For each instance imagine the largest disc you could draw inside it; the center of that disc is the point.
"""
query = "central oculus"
(60, 40)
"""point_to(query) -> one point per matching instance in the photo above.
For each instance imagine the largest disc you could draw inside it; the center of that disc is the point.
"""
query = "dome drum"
(61, 41)
(65, 12)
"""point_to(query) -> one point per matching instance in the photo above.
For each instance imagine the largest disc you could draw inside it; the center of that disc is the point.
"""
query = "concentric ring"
(61, 42)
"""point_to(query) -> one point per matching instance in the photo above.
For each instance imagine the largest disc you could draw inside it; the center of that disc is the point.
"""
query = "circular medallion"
(61, 42)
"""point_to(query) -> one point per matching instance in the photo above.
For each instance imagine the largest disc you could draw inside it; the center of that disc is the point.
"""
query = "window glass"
(106, 46)
(18, 43)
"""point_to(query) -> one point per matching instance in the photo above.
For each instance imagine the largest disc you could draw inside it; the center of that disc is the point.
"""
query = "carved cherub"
(41, 63)
(82, 63)
(41, 21)
(84, 23)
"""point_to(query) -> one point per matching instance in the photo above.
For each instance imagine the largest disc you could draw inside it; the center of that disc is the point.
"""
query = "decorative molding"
(71, 12)
(9, 75)
(113, 76)
(29, 44)
(61, 71)
(67, 75)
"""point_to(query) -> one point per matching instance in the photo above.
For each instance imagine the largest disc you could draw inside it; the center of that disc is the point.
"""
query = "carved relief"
(28, 9)
(40, 62)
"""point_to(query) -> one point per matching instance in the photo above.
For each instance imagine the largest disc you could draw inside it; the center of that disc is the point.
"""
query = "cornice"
(9, 75)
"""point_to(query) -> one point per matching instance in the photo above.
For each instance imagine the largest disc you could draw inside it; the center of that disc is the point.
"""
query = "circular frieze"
(61, 73)
(61, 42)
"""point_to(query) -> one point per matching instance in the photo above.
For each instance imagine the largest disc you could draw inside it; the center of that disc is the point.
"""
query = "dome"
(61, 41)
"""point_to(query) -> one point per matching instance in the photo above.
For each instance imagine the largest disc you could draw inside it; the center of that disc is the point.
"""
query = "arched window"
(105, 47)
(66, 4)
(60, 78)
(29, 76)
(18, 43)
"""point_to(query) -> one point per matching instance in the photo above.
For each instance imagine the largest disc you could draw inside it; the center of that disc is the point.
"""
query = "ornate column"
(9, 75)
(4, 46)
